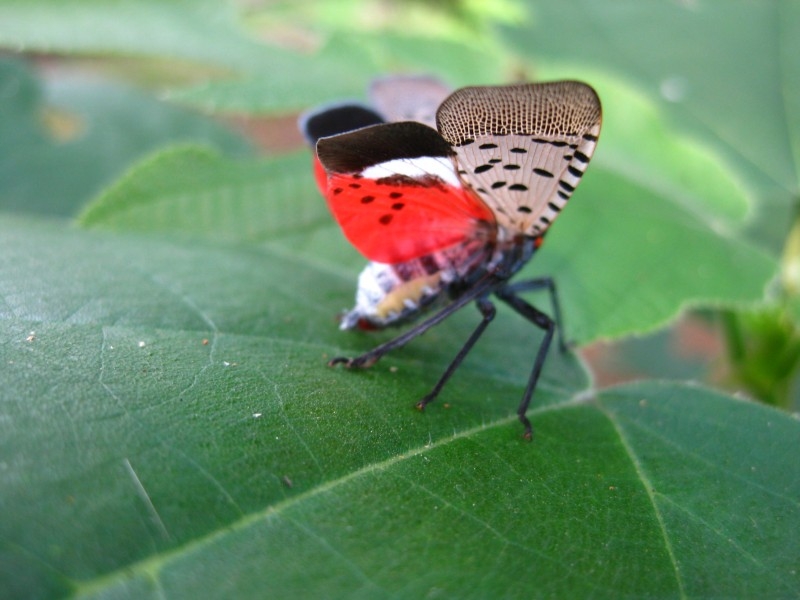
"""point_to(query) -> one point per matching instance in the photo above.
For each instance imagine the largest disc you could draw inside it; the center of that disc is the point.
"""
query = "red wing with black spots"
(394, 191)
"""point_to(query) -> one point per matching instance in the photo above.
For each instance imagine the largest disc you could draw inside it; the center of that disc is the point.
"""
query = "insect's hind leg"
(534, 315)
(370, 358)
(533, 285)
(487, 311)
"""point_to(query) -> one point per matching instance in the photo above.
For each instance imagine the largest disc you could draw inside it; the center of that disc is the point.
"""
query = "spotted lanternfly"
(448, 196)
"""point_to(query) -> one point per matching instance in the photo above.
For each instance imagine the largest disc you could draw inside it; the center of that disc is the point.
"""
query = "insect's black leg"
(532, 285)
(541, 320)
(488, 311)
(370, 358)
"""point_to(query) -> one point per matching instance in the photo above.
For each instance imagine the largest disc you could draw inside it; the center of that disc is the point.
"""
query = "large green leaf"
(62, 140)
(204, 32)
(725, 71)
(169, 430)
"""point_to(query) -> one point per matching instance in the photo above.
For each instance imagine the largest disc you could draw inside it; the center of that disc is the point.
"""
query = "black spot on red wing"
(385, 219)
(524, 209)
(482, 168)
(511, 167)
(487, 146)
(397, 205)
(542, 172)
(367, 199)
(395, 195)
(337, 190)
(518, 150)
(518, 187)
(498, 184)
(355, 186)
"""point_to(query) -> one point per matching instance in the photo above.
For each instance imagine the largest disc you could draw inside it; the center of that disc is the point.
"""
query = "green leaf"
(51, 131)
(140, 460)
(194, 190)
(726, 72)
(201, 31)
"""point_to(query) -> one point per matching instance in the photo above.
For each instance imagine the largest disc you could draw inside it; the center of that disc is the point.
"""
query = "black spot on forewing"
(542, 172)
(580, 156)
(565, 186)
(518, 187)
(482, 168)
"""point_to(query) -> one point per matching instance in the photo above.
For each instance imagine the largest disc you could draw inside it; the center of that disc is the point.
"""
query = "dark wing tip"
(355, 151)
(333, 119)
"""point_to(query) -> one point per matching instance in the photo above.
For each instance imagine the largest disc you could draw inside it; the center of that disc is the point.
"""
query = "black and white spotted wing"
(522, 148)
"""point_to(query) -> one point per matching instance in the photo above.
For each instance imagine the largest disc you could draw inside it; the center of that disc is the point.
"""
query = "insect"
(448, 195)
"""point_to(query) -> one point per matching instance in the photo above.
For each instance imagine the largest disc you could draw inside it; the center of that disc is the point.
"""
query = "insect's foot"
(340, 360)
(359, 362)
(425, 401)
(528, 435)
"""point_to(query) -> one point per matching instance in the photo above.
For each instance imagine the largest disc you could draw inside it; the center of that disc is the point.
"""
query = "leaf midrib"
(150, 567)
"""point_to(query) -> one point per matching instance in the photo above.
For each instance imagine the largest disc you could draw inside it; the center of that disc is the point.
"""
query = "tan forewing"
(522, 148)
